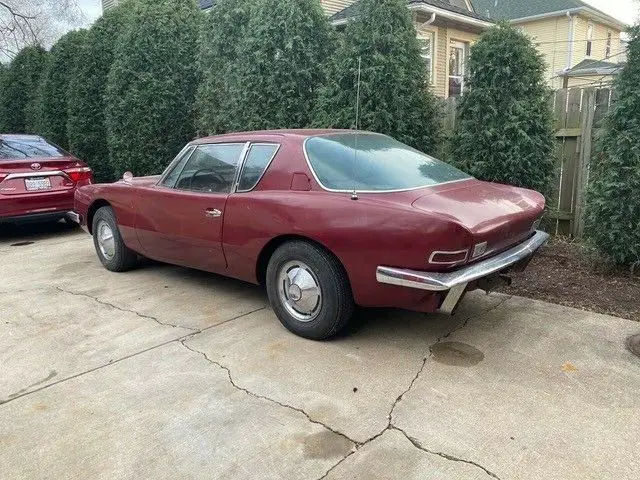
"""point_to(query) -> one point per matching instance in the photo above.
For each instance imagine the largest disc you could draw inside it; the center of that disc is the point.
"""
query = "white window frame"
(609, 44)
(464, 46)
(590, 30)
(429, 58)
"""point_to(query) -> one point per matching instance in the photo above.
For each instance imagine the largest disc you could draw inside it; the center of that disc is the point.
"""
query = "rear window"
(374, 162)
(12, 148)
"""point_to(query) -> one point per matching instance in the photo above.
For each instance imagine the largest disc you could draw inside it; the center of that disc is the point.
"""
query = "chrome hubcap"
(106, 242)
(299, 291)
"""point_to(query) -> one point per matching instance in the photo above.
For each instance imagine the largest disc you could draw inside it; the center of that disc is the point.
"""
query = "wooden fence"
(578, 115)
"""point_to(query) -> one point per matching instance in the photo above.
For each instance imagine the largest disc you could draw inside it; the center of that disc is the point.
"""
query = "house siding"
(599, 46)
(334, 6)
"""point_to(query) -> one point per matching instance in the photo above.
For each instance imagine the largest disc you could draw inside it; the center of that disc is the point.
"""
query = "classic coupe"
(324, 219)
(38, 179)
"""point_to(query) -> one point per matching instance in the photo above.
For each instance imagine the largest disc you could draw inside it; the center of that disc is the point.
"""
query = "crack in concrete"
(392, 426)
(141, 315)
(263, 397)
(18, 395)
(416, 443)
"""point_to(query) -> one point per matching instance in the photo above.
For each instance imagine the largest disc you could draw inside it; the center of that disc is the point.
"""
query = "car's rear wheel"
(309, 290)
(111, 250)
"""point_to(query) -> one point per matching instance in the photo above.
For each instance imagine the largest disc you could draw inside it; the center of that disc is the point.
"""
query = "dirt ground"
(563, 273)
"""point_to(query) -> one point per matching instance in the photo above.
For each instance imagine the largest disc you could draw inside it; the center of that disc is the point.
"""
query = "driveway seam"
(126, 357)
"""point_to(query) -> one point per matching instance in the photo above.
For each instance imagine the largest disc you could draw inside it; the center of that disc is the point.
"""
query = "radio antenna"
(354, 194)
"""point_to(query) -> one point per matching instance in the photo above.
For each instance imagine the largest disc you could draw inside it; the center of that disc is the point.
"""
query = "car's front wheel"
(111, 250)
(309, 290)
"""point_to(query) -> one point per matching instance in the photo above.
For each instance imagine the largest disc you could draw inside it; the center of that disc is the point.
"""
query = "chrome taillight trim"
(51, 173)
(448, 252)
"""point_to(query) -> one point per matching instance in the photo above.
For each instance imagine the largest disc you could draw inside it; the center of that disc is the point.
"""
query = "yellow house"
(447, 29)
(580, 44)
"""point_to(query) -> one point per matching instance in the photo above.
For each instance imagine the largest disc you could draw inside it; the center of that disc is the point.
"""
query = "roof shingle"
(352, 9)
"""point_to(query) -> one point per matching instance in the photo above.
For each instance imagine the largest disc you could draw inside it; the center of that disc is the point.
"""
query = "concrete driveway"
(165, 372)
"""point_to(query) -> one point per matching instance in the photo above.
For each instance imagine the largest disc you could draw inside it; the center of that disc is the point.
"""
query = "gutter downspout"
(430, 21)
(570, 39)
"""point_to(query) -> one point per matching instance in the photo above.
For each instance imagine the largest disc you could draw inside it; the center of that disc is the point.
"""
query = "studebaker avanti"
(324, 219)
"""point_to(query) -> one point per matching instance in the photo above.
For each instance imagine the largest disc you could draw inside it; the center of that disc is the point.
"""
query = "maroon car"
(38, 179)
(326, 220)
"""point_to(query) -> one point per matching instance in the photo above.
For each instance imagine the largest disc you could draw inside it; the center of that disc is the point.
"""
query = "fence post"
(582, 172)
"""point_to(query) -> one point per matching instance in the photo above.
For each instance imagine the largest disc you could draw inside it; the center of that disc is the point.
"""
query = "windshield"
(381, 164)
(12, 148)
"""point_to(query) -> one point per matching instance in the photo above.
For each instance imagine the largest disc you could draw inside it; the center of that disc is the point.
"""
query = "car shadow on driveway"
(20, 234)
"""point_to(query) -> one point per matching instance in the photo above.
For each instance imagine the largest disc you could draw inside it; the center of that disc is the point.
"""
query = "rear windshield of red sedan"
(374, 162)
(12, 148)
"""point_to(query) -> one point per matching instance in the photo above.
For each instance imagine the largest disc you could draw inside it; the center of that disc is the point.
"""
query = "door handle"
(213, 212)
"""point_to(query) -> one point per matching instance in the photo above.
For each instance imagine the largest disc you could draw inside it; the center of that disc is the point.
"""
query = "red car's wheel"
(309, 290)
(111, 250)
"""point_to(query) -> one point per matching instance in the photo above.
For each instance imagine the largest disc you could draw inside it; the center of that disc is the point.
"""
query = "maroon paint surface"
(399, 229)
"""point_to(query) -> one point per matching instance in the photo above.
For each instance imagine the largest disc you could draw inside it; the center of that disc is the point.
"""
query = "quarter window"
(258, 159)
(211, 168)
(176, 167)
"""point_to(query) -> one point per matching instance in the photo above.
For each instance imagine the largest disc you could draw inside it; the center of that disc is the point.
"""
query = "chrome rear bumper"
(456, 282)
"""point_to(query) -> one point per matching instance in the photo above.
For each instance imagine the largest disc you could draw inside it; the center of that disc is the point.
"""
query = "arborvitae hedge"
(394, 95)
(613, 206)
(18, 106)
(150, 111)
(222, 32)
(505, 131)
(86, 127)
(280, 66)
(53, 95)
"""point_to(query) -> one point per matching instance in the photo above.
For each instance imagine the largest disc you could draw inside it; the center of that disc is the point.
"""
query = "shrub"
(86, 127)
(223, 31)
(18, 108)
(275, 79)
(505, 131)
(53, 93)
(150, 111)
(394, 97)
(613, 202)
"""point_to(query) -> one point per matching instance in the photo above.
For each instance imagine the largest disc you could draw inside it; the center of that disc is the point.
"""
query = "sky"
(626, 10)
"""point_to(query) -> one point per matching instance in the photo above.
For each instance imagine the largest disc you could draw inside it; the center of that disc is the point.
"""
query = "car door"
(180, 219)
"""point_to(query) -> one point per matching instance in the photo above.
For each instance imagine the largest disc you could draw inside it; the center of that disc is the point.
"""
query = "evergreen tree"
(18, 107)
(280, 66)
(613, 205)
(86, 127)
(150, 99)
(223, 31)
(394, 94)
(53, 96)
(504, 131)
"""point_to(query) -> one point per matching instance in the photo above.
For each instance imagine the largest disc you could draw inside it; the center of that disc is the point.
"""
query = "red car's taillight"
(3, 176)
(79, 174)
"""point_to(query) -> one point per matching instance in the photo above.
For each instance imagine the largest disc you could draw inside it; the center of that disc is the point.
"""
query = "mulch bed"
(564, 273)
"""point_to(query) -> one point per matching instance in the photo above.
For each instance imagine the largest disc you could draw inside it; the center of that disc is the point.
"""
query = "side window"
(258, 159)
(176, 168)
(211, 168)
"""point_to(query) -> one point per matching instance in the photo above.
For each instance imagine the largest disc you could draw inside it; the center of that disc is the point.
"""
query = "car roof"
(19, 136)
(299, 134)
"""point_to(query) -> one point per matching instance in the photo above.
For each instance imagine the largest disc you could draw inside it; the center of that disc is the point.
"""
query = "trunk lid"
(499, 215)
(36, 175)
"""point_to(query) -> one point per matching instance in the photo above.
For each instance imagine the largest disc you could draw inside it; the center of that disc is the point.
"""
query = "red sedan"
(326, 220)
(38, 179)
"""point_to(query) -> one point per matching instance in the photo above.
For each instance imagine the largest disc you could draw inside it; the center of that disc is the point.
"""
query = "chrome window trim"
(244, 161)
(171, 165)
(333, 190)
(241, 158)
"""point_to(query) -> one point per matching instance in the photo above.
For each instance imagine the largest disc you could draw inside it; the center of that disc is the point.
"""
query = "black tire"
(123, 258)
(336, 306)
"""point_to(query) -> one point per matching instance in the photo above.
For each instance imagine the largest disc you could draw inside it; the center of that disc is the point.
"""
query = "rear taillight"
(3, 176)
(79, 174)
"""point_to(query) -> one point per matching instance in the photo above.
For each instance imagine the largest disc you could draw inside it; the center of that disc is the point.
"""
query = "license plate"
(34, 184)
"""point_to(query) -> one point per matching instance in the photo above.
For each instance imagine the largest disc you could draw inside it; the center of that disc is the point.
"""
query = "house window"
(426, 50)
(457, 66)
(608, 50)
(589, 39)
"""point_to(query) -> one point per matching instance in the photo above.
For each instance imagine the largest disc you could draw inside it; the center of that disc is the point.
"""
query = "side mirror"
(127, 177)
